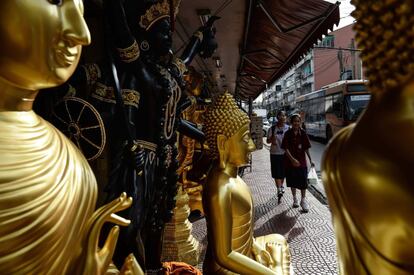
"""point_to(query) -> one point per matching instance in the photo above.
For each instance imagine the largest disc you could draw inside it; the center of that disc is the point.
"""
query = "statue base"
(179, 245)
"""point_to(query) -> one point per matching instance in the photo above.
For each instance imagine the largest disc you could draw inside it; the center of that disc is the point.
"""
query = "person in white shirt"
(274, 137)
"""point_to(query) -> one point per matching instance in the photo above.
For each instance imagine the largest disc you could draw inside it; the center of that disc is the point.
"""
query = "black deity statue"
(141, 32)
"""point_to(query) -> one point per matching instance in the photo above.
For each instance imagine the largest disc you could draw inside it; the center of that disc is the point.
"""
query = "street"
(316, 152)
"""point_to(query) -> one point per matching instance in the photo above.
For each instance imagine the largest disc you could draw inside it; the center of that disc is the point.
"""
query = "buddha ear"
(222, 150)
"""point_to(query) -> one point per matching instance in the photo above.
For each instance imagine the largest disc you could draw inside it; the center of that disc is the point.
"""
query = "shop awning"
(277, 34)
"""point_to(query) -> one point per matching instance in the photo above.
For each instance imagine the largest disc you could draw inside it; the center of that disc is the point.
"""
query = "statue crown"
(158, 11)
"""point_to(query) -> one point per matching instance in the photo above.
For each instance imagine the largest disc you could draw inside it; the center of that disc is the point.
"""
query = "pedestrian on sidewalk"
(274, 137)
(296, 144)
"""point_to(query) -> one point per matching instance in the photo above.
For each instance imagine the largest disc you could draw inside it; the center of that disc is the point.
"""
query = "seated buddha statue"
(367, 167)
(227, 200)
(47, 189)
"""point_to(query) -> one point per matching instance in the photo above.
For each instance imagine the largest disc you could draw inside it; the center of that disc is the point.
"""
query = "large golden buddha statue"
(367, 168)
(47, 189)
(228, 204)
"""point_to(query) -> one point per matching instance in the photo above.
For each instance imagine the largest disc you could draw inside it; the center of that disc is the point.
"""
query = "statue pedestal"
(195, 198)
(179, 245)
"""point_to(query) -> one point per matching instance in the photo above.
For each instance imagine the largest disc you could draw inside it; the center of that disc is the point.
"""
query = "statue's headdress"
(384, 32)
(159, 10)
(222, 117)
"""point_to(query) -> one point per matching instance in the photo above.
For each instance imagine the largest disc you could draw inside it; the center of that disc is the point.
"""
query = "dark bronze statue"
(142, 35)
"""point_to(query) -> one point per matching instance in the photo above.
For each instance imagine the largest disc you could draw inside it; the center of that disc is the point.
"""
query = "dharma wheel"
(82, 124)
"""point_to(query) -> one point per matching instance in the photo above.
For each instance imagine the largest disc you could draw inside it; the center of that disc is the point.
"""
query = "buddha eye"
(55, 2)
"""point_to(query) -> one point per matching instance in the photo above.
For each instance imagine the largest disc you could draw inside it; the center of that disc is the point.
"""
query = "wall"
(326, 61)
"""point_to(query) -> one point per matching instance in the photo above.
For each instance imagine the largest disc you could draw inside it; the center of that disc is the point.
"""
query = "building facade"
(335, 58)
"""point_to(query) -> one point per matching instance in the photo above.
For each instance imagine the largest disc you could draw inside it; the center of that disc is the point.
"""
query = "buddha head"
(227, 130)
(384, 32)
(41, 41)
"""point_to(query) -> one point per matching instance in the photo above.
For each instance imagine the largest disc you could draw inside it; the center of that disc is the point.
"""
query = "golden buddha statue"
(47, 189)
(228, 204)
(367, 167)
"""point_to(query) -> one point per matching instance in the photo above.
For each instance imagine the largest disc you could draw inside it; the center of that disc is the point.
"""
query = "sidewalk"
(318, 190)
(310, 235)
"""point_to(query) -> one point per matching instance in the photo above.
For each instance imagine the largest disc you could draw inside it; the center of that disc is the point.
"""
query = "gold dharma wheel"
(82, 124)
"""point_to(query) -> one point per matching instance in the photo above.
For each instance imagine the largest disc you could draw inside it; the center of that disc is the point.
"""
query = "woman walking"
(296, 144)
(277, 154)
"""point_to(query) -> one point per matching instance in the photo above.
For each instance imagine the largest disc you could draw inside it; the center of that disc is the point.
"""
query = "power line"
(222, 7)
(324, 68)
(333, 48)
(345, 16)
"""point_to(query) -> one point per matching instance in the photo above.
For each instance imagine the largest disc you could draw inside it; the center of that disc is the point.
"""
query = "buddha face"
(41, 41)
(239, 146)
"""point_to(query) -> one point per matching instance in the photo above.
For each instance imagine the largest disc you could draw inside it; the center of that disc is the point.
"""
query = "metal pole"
(354, 68)
(250, 107)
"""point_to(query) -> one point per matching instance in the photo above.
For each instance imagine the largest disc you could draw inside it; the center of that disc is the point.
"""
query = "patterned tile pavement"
(310, 235)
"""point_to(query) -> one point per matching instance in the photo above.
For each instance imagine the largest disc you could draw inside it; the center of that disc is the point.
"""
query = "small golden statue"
(192, 152)
(367, 168)
(228, 204)
(47, 189)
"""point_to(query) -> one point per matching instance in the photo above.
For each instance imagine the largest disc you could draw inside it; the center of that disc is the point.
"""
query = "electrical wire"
(325, 67)
(222, 7)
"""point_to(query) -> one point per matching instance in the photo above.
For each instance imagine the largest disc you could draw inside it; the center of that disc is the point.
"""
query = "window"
(328, 103)
(337, 105)
(347, 75)
(356, 105)
(307, 88)
(328, 41)
(356, 88)
(313, 110)
(320, 108)
(307, 69)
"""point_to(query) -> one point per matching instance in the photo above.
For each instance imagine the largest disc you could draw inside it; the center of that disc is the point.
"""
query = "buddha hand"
(261, 255)
(279, 251)
(98, 259)
(131, 266)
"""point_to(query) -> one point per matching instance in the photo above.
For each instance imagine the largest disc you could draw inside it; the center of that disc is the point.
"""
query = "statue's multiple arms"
(198, 41)
(126, 44)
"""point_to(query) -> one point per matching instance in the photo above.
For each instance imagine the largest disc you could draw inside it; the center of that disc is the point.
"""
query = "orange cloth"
(179, 268)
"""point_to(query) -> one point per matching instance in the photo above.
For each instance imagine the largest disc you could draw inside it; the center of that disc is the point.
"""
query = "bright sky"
(345, 10)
